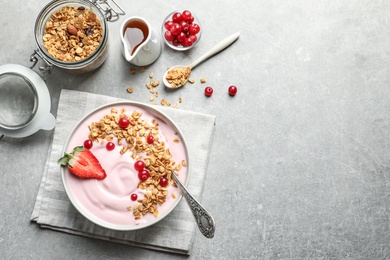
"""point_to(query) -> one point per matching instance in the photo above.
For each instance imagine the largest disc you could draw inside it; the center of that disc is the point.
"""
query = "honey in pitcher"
(135, 33)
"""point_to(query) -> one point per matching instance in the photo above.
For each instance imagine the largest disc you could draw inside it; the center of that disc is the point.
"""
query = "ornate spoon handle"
(204, 220)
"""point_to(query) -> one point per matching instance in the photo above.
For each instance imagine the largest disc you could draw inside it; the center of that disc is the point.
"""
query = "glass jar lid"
(24, 102)
(18, 101)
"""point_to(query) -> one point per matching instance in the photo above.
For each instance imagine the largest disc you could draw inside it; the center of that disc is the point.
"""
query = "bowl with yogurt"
(139, 149)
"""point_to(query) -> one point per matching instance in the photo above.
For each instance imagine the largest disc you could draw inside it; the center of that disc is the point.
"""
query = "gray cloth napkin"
(175, 233)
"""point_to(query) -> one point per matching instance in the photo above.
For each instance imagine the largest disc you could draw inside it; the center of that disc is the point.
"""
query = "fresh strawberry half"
(83, 163)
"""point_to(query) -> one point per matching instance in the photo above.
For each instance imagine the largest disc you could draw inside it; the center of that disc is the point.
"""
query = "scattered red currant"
(88, 144)
(124, 122)
(139, 165)
(163, 182)
(208, 91)
(143, 175)
(110, 146)
(181, 29)
(232, 90)
(150, 139)
(134, 197)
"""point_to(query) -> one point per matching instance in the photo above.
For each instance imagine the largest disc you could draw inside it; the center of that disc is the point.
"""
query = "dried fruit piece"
(89, 30)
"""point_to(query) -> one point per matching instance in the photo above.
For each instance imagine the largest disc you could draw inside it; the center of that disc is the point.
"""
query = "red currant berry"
(232, 90)
(179, 27)
(186, 15)
(184, 26)
(168, 25)
(124, 122)
(163, 182)
(194, 28)
(184, 44)
(88, 144)
(175, 29)
(150, 139)
(193, 38)
(139, 165)
(134, 197)
(175, 42)
(169, 36)
(110, 146)
(191, 19)
(208, 91)
(176, 17)
(181, 37)
(143, 175)
(187, 42)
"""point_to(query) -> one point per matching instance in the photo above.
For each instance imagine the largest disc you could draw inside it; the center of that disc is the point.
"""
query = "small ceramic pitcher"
(141, 45)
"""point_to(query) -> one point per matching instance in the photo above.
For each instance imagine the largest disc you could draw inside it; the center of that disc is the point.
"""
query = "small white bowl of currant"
(181, 30)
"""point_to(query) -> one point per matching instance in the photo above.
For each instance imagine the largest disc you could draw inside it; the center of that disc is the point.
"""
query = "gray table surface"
(300, 161)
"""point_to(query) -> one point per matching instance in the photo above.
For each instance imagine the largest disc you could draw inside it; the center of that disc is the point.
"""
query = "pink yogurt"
(105, 202)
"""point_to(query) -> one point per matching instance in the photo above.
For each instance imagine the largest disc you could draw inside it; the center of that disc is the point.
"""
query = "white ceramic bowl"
(105, 202)
(180, 47)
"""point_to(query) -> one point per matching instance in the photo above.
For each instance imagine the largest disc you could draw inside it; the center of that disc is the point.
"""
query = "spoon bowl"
(176, 67)
(216, 49)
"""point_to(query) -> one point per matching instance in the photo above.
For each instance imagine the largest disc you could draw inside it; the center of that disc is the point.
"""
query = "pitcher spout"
(126, 50)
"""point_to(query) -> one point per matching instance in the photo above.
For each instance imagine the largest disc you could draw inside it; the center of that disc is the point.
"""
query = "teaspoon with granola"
(176, 76)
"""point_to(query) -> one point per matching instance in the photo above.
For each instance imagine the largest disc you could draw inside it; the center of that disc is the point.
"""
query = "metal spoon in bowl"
(217, 48)
(204, 220)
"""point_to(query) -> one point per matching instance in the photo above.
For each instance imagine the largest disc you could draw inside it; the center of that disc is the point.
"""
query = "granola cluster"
(157, 156)
(72, 33)
(178, 76)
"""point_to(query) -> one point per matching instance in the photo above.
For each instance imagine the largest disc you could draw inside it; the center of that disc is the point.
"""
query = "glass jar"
(94, 60)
